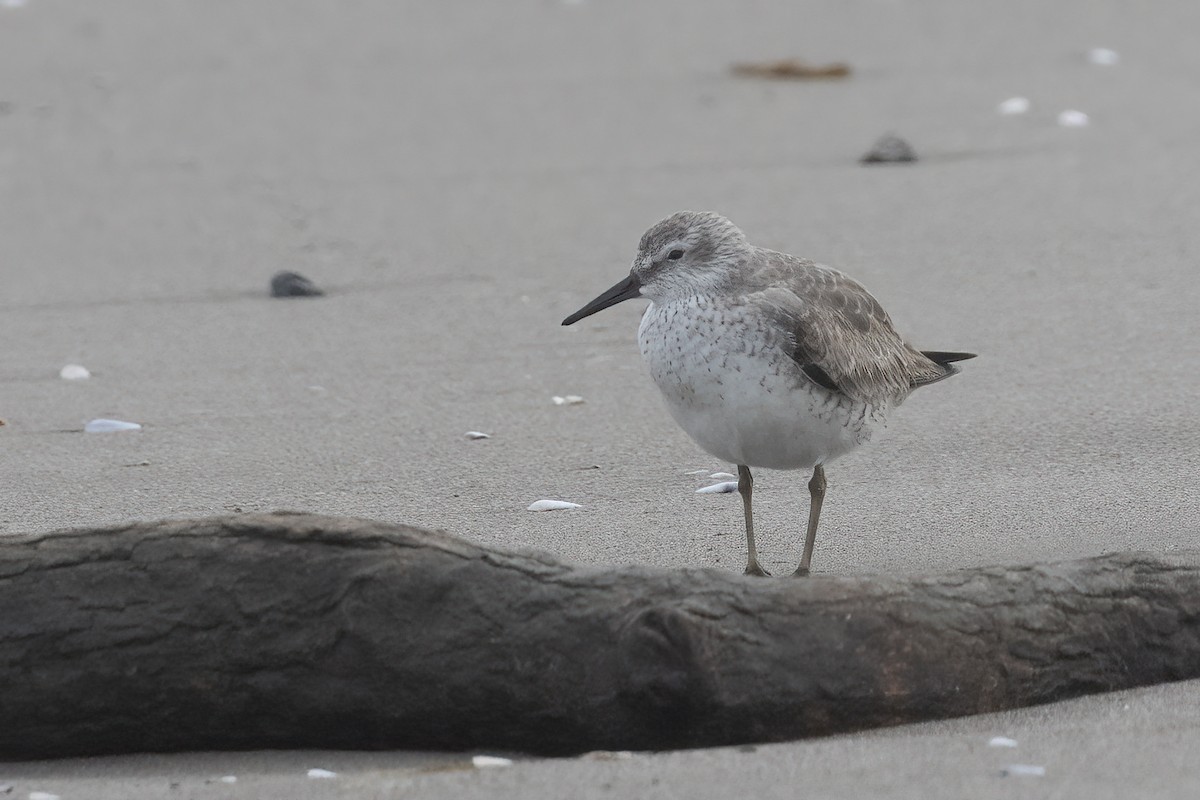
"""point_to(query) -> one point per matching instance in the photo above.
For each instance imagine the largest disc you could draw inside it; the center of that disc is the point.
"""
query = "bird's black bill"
(627, 289)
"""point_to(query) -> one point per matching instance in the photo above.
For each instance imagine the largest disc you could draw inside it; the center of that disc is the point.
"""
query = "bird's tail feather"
(946, 362)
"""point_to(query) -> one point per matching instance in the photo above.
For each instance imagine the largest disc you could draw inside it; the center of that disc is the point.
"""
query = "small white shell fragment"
(477, 435)
(74, 372)
(552, 505)
(1073, 119)
(229, 779)
(110, 426)
(321, 773)
(42, 796)
(1024, 770)
(723, 476)
(1001, 741)
(1103, 56)
(1014, 105)
(491, 761)
(573, 400)
(718, 488)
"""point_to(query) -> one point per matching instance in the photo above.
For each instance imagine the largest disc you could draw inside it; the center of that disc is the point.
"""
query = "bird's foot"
(801, 572)
(757, 571)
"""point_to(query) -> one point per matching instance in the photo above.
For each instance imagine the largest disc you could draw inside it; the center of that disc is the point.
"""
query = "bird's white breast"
(731, 385)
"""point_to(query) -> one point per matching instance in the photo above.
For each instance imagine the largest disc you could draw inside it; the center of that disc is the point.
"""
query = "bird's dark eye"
(675, 255)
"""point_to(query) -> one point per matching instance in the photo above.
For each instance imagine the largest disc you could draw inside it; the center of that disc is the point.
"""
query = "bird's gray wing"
(839, 335)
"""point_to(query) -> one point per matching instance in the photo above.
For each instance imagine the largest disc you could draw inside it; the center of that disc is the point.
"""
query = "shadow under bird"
(766, 359)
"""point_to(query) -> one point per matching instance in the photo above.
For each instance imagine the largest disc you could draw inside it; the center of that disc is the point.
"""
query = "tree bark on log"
(285, 631)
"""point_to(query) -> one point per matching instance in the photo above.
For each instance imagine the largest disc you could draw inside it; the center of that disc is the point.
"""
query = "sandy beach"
(459, 177)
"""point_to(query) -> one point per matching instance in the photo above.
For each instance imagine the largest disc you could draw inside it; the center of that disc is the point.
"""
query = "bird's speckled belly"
(735, 390)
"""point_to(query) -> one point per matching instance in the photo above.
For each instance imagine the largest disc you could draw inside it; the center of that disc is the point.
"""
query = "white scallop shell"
(1024, 770)
(718, 488)
(1073, 119)
(110, 426)
(552, 505)
(1014, 105)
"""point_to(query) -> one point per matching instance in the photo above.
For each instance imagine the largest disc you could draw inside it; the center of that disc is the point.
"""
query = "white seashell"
(477, 435)
(1103, 56)
(42, 796)
(558, 401)
(229, 779)
(110, 426)
(1014, 105)
(719, 488)
(491, 761)
(573, 400)
(1073, 119)
(723, 476)
(74, 372)
(321, 773)
(1024, 770)
(1001, 741)
(552, 505)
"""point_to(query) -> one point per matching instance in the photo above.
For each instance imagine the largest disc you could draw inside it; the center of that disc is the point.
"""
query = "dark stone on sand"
(264, 631)
(890, 149)
(293, 284)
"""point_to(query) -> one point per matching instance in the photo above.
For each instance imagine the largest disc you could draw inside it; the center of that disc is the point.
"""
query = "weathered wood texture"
(278, 631)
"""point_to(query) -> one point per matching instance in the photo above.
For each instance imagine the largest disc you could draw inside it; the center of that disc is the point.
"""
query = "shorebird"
(766, 359)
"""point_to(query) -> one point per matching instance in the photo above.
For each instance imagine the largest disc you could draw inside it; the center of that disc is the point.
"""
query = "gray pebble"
(890, 149)
(293, 284)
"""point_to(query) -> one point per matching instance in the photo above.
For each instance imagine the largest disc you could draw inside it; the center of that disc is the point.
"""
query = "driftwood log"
(281, 631)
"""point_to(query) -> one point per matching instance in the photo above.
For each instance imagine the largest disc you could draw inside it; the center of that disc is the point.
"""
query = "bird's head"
(682, 255)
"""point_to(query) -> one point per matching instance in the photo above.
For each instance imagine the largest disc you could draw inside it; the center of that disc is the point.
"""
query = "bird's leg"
(745, 487)
(816, 491)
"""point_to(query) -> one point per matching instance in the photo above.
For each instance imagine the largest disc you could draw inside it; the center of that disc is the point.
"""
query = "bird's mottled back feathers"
(839, 330)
